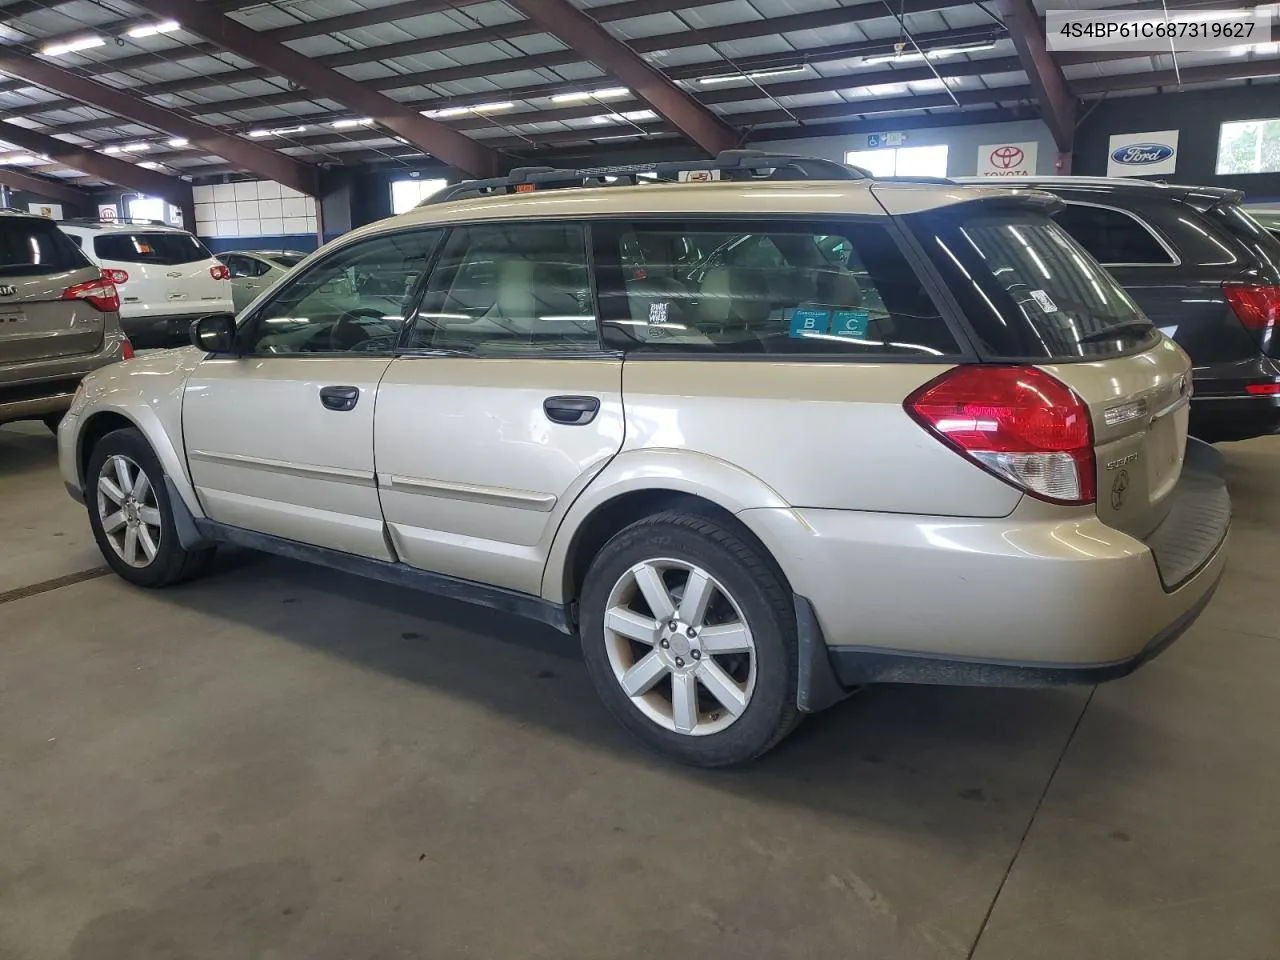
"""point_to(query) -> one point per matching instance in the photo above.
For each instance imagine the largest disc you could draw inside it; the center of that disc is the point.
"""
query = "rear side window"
(740, 288)
(286, 259)
(1028, 290)
(1113, 236)
(163, 249)
(29, 248)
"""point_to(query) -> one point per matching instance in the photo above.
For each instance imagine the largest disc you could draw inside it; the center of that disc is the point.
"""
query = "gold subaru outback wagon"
(756, 442)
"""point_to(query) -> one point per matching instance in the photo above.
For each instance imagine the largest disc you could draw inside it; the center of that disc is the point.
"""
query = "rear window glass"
(1112, 236)
(840, 289)
(287, 259)
(1028, 290)
(143, 247)
(1261, 242)
(29, 248)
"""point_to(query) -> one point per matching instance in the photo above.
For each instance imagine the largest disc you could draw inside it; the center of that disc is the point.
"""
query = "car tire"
(733, 643)
(131, 514)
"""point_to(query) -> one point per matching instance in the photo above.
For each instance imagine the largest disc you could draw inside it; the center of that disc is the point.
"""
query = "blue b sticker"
(806, 321)
(851, 323)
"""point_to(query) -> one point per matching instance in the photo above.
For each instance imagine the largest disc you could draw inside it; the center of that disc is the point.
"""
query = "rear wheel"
(690, 640)
(131, 516)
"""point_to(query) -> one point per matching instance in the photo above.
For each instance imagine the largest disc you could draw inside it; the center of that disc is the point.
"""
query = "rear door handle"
(573, 411)
(339, 398)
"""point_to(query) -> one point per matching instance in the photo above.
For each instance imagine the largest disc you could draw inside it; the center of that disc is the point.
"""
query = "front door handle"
(339, 398)
(574, 411)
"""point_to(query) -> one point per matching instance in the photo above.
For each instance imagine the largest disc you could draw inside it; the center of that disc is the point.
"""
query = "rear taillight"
(101, 293)
(1257, 306)
(1262, 389)
(116, 276)
(126, 350)
(1019, 423)
(220, 271)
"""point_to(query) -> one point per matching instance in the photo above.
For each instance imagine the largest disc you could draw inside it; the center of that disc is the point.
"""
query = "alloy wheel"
(680, 647)
(129, 510)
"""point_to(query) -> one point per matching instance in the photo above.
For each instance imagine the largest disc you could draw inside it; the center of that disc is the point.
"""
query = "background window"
(1249, 146)
(1111, 236)
(509, 289)
(902, 161)
(353, 301)
(764, 288)
(407, 194)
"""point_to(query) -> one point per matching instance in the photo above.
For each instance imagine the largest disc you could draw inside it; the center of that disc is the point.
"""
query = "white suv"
(166, 277)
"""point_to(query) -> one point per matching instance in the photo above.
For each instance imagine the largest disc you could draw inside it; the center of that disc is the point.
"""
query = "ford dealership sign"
(1143, 154)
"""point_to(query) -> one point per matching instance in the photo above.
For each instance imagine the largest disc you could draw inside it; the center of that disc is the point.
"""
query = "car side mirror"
(215, 333)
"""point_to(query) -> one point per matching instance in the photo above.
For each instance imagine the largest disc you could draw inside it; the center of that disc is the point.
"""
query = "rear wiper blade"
(1118, 331)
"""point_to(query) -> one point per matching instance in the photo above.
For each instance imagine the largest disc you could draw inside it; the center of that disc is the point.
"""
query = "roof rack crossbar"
(739, 164)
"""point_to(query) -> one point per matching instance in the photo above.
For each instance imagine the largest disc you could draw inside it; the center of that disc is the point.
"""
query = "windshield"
(33, 247)
(164, 249)
(1028, 290)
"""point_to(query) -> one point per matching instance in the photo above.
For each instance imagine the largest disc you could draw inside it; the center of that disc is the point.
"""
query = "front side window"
(161, 249)
(509, 290)
(1027, 289)
(352, 301)
(840, 289)
(1112, 236)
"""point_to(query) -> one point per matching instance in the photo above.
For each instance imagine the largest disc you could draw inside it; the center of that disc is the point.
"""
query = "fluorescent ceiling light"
(285, 131)
(114, 148)
(459, 111)
(259, 133)
(347, 124)
(151, 29)
(623, 117)
(936, 54)
(179, 142)
(607, 93)
(21, 159)
(757, 75)
(150, 165)
(71, 46)
(136, 147)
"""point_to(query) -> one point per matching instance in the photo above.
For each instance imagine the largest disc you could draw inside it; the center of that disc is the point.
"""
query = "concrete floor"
(279, 762)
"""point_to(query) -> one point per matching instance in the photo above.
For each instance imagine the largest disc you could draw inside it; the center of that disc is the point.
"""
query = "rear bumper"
(1041, 596)
(153, 331)
(44, 388)
(1234, 417)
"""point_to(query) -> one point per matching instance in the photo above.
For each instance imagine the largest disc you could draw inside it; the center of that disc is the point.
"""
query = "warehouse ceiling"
(201, 88)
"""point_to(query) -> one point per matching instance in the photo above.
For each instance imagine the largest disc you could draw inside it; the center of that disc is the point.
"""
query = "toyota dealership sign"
(1007, 159)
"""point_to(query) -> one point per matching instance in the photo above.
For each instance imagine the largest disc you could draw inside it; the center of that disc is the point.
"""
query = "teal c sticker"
(807, 322)
(850, 323)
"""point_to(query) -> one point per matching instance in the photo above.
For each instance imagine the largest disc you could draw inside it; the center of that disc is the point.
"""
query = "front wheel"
(690, 640)
(131, 516)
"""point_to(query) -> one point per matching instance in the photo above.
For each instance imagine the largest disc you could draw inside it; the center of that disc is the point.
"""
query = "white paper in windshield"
(1045, 301)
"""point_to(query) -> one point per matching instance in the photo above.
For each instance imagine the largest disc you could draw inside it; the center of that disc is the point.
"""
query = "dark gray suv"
(59, 319)
(1205, 272)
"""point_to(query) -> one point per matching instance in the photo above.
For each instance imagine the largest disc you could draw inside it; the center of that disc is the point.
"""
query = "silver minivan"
(59, 319)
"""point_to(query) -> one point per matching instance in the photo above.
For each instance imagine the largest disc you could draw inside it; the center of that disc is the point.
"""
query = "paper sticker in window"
(659, 312)
(1045, 301)
(808, 322)
(850, 323)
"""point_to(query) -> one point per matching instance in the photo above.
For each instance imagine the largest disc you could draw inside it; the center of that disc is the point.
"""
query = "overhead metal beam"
(261, 160)
(17, 180)
(121, 172)
(1057, 105)
(437, 139)
(1215, 73)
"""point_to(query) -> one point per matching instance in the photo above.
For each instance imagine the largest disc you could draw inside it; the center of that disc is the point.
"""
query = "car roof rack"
(737, 164)
(118, 221)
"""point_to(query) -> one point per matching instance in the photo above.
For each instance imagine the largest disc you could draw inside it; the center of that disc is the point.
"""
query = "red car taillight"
(220, 271)
(1258, 307)
(116, 276)
(101, 293)
(1018, 423)
(126, 350)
